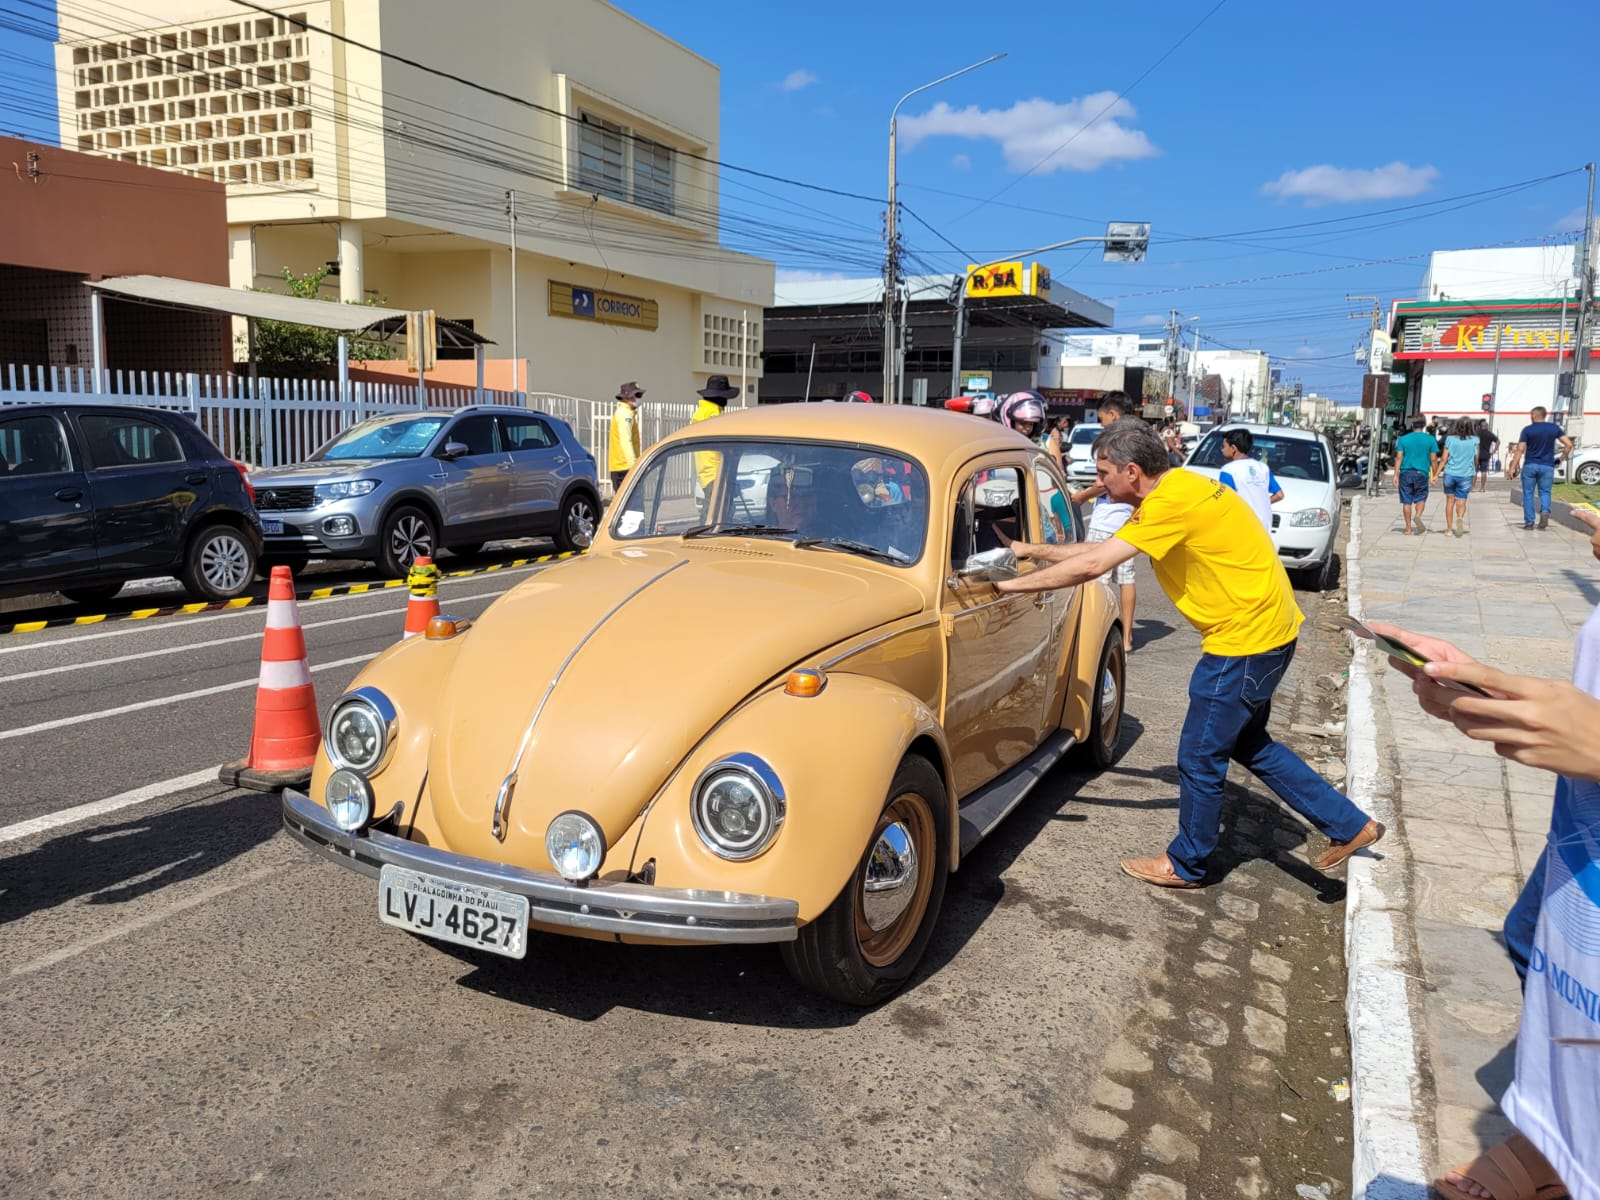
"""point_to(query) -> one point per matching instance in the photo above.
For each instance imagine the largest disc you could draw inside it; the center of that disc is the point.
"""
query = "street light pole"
(891, 261)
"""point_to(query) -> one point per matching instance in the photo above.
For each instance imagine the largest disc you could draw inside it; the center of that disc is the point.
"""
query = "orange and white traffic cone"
(423, 580)
(284, 740)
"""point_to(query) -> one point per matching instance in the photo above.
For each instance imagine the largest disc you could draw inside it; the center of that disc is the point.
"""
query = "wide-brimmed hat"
(717, 388)
(629, 391)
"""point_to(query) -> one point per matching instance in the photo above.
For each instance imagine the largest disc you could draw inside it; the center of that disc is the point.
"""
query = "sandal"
(1507, 1171)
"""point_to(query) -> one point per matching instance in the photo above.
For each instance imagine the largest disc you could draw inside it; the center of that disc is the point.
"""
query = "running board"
(994, 801)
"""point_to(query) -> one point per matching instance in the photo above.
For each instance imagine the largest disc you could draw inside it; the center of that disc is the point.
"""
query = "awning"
(270, 306)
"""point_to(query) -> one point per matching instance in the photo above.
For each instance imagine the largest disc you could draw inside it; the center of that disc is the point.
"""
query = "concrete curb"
(1384, 1079)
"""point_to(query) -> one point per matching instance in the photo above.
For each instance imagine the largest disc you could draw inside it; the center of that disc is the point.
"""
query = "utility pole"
(511, 216)
(1580, 351)
(1375, 420)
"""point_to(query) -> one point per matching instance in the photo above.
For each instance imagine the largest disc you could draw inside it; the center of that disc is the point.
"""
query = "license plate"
(484, 918)
(272, 525)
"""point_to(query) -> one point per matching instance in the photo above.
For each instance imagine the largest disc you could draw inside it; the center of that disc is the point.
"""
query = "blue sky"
(1219, 125)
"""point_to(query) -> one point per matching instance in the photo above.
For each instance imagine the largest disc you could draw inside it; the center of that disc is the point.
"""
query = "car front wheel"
(408, 534)
(575, 531)
(863, 948)
(220, 564)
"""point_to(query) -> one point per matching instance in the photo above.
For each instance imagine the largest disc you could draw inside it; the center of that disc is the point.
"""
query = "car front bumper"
(1302, 546)
(642, 910)
(304, 533)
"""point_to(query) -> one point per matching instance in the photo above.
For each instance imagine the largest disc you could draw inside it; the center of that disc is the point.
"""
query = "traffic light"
(909, 340)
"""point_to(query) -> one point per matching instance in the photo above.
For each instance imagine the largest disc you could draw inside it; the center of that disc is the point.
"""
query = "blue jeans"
(1536, 476)
(1522, 918)
(1230, 701)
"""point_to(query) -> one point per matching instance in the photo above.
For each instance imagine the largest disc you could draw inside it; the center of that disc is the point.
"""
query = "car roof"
(1288, 431)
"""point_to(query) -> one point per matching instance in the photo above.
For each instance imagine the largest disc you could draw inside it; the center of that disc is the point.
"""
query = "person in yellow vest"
(624, 434)
(1217, 564)
(714, 398)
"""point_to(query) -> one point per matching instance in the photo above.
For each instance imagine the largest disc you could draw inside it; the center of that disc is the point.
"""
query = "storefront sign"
(610, 308)
(1528, 334)
(1008, 279)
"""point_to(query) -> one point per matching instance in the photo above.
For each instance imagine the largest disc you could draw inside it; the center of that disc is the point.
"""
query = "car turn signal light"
(441, 629)
(805, 682)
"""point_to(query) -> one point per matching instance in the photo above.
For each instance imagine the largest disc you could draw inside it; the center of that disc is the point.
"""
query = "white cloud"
(786, 275)
(1573, 220)
(1042, 134)
(961, 162)
(1325, 184)
(797, 79)
(1151, 320)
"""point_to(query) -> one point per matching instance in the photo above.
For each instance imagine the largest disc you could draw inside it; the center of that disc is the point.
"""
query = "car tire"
(92, 597)
(1103, 746)
(1589, 474)
(220, 564)
(1322, 578)
(840, 954)
(579, 517)
(408, 533)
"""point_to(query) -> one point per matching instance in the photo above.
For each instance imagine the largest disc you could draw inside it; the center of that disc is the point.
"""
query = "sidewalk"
(1470, 824)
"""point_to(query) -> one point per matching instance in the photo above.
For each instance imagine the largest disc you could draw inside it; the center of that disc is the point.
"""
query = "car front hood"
(317, 472)
(613, 666)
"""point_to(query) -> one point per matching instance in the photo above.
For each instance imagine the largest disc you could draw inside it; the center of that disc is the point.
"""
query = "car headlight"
(361, 731)
(576, 846)
(738, 806)
(1313, 518)
(348, 798)
(343, 490)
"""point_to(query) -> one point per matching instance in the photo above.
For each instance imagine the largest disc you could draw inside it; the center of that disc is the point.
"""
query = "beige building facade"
(394, 141)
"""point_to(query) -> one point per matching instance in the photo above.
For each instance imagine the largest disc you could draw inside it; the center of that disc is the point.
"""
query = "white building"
(1246, 381)
(605, 136)
(1112, 349)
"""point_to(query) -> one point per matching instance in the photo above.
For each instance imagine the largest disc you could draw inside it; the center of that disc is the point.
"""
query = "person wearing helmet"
(857, 398)
(1023, 412)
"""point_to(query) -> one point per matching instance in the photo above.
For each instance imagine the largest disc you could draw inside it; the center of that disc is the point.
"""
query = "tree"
(283, 344)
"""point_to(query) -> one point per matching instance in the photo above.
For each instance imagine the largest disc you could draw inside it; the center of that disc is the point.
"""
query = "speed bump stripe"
(323, 593)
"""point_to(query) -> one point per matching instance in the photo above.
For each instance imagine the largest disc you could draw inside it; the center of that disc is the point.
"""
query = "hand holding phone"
(1407, 655)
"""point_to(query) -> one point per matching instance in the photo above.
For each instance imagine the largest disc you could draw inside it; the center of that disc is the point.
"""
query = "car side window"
(1055, 510)
(33, 445)
(478, 434)
(127, 441)
(990, 515)
(527, 433)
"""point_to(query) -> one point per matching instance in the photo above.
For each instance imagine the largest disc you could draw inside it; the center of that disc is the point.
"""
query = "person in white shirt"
(1254, 482)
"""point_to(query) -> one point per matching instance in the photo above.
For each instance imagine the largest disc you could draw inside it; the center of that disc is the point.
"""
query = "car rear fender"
(835, 756)
(1098, 620)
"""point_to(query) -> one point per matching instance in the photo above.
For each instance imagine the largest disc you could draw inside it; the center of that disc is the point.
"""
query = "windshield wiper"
(699, 531)
(850, 547)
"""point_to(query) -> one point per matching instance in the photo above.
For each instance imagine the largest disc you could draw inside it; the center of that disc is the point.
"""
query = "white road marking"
(243, 637)
(99, 808)
(161, 701)
(205, 896)
(155, 625)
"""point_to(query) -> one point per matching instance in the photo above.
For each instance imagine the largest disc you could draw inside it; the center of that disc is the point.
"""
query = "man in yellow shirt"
(714, 398)
(624, 449)
(1216, 563)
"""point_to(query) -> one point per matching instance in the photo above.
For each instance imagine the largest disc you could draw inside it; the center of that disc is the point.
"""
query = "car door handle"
(196, 478)
(69, 493)
(505, 466)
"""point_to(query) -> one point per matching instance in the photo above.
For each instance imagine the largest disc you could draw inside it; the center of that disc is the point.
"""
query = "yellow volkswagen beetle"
(779, 700)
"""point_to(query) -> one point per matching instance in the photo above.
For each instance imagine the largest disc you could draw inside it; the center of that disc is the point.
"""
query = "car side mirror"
(452, 451)
(991, 566)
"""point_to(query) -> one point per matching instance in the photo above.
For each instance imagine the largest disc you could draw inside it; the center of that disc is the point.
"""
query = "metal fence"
(272, 422)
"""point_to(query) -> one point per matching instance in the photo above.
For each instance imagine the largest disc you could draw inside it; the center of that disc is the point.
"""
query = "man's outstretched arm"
(1085, 561)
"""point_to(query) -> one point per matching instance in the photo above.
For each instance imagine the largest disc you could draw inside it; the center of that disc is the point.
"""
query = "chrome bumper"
(675, 914)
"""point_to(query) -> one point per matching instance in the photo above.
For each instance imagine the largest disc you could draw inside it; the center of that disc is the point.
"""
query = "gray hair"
(1130, 440)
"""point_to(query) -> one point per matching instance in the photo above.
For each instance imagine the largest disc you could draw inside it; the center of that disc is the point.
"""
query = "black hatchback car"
(93, 495)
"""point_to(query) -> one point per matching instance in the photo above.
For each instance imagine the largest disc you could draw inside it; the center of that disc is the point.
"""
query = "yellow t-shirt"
(1216, 563)
(706, 462)
(624, 437)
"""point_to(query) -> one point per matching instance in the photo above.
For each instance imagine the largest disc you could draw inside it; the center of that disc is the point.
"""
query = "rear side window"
(527, 433)
(119, 441)
(33, 445)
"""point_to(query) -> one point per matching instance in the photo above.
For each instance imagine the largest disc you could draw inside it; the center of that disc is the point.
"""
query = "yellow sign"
(609, 308)
(1008, 279)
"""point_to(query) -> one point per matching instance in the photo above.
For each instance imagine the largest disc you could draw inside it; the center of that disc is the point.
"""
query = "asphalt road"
(190, 1004)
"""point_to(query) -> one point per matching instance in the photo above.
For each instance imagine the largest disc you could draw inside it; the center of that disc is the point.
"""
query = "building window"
(616, 163)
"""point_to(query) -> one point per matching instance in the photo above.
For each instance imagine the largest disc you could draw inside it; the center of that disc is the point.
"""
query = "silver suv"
(394, 487)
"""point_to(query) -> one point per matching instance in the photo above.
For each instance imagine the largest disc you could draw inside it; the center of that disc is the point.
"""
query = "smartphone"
(1398, 650)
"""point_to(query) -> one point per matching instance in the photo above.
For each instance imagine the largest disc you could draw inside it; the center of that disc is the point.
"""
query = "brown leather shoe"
(1157, 871)
(1337, 852)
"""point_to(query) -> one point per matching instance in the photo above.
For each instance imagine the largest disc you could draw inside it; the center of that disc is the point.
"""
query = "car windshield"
(1084, 435)
(853, 499)
(383, 437)
(1286, 457)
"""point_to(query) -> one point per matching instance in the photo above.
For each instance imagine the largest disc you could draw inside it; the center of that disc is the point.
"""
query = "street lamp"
(891, 264)
(1125, 241)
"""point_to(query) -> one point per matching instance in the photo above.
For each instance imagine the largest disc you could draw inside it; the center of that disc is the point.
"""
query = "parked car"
(1305, 523)
(395, 487)
(1080, 454)
(825, 705)
(1584, 465)
(94, 495)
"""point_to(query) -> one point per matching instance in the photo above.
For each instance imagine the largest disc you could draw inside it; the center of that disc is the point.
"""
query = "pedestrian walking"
(1217, 565)
(624, 440)
(1487, 441)
(1534, 456)
(1415, 458)
(1055, 442)
(714, 398)
(1456, 469)
(1251, 478)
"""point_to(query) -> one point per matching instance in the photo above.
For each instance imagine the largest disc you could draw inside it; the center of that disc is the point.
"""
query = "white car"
(1080, 454)
(1584, 466)
(1305, 523)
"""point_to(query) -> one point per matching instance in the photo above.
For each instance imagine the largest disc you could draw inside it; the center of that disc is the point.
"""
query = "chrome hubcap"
(1109, 696)
(891, 879)
(225, 563)
(411, 539)
(580, 523)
